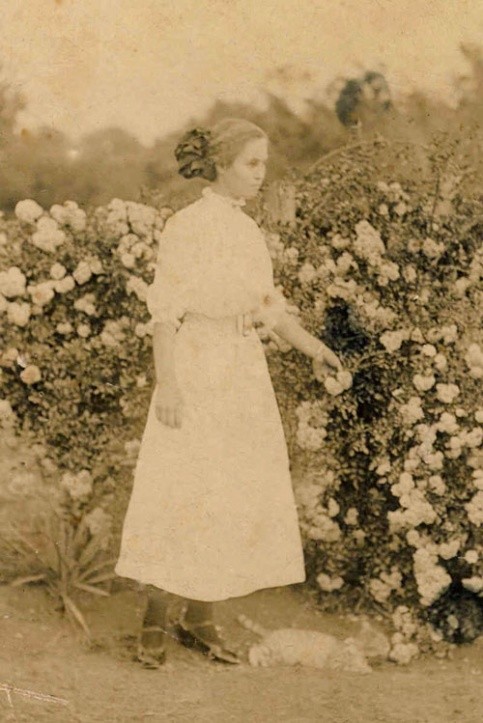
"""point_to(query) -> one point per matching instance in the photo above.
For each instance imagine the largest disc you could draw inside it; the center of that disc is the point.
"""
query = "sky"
(150, 65)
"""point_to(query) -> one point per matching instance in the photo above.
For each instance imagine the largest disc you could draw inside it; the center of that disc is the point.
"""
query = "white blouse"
(213, 260)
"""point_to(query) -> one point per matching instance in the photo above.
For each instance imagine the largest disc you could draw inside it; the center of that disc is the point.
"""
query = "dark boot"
(151, 652)
(198, 632)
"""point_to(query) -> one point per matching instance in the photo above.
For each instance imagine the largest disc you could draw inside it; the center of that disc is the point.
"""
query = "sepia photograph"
(241, 361)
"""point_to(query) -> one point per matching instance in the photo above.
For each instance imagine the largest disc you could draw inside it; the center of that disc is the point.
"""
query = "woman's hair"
(201, 150)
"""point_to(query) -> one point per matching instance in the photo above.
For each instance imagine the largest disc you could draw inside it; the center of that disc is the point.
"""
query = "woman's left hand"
(326, 363)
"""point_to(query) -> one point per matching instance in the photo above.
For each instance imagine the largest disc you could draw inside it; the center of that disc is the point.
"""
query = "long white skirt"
(212, 512)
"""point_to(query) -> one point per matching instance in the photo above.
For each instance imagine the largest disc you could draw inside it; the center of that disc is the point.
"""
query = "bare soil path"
(40, 653)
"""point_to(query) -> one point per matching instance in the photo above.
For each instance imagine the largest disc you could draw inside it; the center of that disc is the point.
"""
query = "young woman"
(212, 512)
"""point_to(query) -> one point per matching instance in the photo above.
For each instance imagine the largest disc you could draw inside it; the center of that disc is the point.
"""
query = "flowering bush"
(75, 360)
(390, 465)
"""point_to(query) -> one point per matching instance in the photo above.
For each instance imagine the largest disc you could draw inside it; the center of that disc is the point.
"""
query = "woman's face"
(245, 176)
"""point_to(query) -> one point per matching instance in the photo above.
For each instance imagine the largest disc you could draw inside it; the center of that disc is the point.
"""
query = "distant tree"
(364, 101)
(110, 163)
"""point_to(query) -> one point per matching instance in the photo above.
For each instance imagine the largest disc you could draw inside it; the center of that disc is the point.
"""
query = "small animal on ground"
(311, 648)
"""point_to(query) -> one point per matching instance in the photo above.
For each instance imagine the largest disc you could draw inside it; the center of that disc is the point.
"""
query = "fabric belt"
(242, 324)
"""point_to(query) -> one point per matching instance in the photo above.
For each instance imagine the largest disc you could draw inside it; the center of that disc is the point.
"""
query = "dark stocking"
(155, 617)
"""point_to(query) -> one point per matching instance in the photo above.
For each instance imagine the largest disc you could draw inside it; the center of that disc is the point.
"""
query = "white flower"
(132, 448)
(383, 210)
(479, 416)
(410, 274)
(31, 374)
(431, 249)
(351, 517)
(339, 242)
(19, 314)
(28, 211)
(432, 580)
(447, 423)
(474, 509)
(9, 356)
(309, 437)
(382, 587)
(85, 304)
(48, 235)
(392, 340)
(403, 653)
(12, 282)
(448, 550)
(412, 411)
(390, 270)
(95, 265)
(307, 273)
(474, 438)
(324, 529)
(429, 350)
(440, 362)
(368, 244)
(57, 271)
(435, 460)
(333, 508)
(42, 293)
(112, 334)
(471, 557)
(138, 287)
(416, 511)
(274, 244)
(64, 328)
(64, 285)
(128, 260)
(474, 360)
(142, 330)
(329, 584)
(83, 330)
(79, 486)
(436, 484)
(70, 215)
(413, 538)
(423, 383)
(414, 245)
(6, 411)
(383, 468)
(449, 334)
(473, 584)
(82, 273)
(404, 486)
(417, 335)
(447, 393)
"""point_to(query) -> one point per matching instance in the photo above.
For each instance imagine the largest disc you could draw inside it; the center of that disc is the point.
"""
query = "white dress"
(212, 512)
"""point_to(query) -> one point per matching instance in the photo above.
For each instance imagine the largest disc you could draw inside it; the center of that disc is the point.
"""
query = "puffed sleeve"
(168, 296)
(272, 304)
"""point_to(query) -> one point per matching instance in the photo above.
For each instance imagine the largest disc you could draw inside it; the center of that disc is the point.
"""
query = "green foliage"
(64, 556)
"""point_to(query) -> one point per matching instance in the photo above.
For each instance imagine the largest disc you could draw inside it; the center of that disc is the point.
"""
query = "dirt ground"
(39, 652)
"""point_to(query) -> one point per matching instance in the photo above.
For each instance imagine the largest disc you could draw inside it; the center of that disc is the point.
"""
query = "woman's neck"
(221, 189)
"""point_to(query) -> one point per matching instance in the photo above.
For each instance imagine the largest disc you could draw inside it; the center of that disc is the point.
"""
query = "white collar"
(208, 192)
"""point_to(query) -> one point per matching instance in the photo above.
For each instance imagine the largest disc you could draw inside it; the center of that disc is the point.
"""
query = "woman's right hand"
(169, 405)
